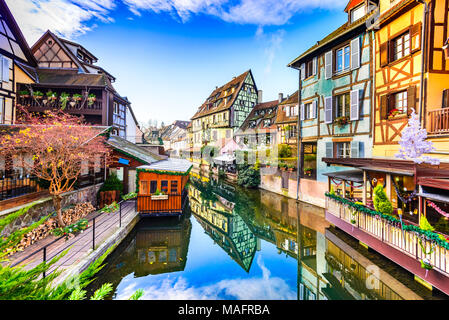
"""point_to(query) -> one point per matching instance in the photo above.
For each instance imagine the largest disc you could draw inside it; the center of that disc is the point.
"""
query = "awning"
(224, 159)
(348, 175)
(394, 171)
(432, 195)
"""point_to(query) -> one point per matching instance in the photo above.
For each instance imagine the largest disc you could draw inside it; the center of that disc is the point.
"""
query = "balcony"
(407, 247)
(72, 106)
(438, 121)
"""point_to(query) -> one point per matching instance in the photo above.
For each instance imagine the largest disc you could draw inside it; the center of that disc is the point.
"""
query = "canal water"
(235, 243)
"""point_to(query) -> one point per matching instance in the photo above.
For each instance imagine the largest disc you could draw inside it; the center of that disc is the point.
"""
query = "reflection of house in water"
(328, 268)
(162, 248)
(155, 246)
(216, 215)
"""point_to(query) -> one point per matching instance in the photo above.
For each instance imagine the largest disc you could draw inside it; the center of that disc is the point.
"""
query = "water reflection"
(242, 244)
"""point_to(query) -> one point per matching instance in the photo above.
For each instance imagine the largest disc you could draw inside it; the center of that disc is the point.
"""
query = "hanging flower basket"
(393, 113)
(342, 121)
(24, 94)
(77, 97)
(38, 95)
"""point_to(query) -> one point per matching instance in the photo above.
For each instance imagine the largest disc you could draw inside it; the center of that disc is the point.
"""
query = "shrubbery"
(381, 202)
(249, 176)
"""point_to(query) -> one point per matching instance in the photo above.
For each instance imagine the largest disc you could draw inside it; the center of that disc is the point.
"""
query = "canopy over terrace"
(401, 180)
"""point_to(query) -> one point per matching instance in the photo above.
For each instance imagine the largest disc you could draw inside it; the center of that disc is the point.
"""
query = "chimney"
(259, 96)
(281, 97)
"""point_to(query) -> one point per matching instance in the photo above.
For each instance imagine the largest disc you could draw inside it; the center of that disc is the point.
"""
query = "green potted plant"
(308, 171)
(77, 97)
(24, 94)
(159, 195)
(64, 98)
(110, 191)
(51, 95)
(291, 167)
(91, 99)
(37, 94)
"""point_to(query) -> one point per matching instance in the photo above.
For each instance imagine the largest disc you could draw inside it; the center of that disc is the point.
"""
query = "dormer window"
(357, 13)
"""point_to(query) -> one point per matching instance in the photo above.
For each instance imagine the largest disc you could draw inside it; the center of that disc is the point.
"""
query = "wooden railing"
(158, 205)
(392, 235)
(438, 121)
(36, 104)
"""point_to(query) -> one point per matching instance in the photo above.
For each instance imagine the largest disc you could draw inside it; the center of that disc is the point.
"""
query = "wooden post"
(344, 188)
(328, 184)
(364, 188)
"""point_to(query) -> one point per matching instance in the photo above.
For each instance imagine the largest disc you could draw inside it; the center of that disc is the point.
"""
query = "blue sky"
(168, 55)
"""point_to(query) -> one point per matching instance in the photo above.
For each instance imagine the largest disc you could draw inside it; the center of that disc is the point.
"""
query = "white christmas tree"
(414, 144)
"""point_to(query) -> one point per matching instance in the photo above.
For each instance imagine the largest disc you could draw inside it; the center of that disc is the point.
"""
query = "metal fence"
(98, 225)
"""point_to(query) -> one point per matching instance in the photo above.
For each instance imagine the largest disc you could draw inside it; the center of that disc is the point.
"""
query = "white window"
(401, 46)
(343, 149)
(357, 13)
(343, 58)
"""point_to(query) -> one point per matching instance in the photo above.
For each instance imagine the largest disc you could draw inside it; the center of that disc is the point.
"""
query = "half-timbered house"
(287, 121)
(336, 99)
(69, 79)
(411, 73)
(222, 113)
(17, 63)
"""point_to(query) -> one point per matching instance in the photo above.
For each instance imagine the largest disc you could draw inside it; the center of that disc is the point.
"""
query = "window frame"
(346, 149)
(338, 108)
(343, 49)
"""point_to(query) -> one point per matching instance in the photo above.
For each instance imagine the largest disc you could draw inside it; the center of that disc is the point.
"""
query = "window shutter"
(384, 54)
(314, 110)
(355, 105)
(328, 112)
(411, 99)
(355, 53)
(354, 149)
(328, 65)
(329, 150)
(383, 106)
(5, 69)
(315, 66)
(415, 37)
(445, 103)
(302, 112)
(303, 71)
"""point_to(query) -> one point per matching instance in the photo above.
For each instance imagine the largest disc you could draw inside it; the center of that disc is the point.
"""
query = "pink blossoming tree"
(57, 145)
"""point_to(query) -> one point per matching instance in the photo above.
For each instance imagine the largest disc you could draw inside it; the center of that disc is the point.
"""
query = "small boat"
(161, 187)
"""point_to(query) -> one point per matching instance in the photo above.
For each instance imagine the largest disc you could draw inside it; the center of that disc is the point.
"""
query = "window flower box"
(342, 121)
(160, 197)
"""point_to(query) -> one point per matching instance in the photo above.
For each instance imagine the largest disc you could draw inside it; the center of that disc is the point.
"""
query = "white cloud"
(67, 18)
(177, 288)
(258, 12)
(71, 18)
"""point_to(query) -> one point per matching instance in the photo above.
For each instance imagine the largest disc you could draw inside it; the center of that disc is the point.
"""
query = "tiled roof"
(71, 77)
(280, 114)
(353, 3)
(219, 93)
(346, 27)
(132, 150)
(170, 164)
(260, 118)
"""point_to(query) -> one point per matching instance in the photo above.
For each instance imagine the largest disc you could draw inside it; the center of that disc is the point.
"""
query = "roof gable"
(223, 98)
(50, 52)
(12, 41)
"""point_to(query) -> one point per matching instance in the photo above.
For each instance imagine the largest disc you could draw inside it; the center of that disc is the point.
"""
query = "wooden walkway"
(80, 246)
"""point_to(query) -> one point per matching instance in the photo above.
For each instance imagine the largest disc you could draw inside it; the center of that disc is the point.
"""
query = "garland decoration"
(404, 200)
(430, 235)
(437, 209)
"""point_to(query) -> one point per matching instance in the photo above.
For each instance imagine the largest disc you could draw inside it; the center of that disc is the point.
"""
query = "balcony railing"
(391, 234)
(16, 185)
(44, 104)
(439, 121)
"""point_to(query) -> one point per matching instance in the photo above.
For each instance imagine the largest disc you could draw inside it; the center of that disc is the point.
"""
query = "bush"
(381, 202)
(112, 183)
(285, 151)
(249, 177)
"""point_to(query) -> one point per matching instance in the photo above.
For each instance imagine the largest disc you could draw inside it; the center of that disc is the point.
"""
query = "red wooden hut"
(161, 187)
